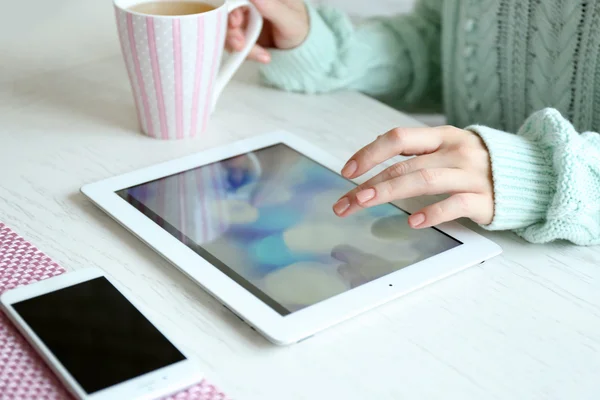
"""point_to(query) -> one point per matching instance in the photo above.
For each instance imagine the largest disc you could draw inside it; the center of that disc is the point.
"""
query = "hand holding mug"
(286, 26)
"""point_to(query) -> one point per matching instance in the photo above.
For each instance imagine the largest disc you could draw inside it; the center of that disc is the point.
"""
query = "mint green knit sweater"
(523, 74)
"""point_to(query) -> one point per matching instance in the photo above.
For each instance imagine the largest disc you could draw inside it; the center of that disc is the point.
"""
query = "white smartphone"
(97, 340)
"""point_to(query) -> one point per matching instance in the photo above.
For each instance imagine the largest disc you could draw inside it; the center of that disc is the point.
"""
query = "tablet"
(252, 223)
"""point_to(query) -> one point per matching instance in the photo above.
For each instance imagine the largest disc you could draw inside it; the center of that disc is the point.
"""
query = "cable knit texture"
(522, 74)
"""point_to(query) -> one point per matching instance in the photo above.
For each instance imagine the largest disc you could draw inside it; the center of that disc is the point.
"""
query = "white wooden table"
(523, 326)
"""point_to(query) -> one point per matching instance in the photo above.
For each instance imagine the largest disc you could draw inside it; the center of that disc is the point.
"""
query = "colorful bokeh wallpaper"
(268, 216)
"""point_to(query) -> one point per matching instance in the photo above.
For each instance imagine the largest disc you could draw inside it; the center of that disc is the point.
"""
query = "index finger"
(398, 141)
(236, 18)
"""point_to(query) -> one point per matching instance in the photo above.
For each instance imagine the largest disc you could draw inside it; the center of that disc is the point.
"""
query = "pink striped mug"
(174, 64)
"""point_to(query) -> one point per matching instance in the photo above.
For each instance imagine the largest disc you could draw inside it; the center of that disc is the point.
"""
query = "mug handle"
(235, 61)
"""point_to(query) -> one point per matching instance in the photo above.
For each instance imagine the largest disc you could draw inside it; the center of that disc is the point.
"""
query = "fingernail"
(417, 219)
(365, 195)
(341, 206)
(349, 169)
(264, 57)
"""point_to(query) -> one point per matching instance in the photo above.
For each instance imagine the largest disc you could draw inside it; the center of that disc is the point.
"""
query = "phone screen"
(97, 334)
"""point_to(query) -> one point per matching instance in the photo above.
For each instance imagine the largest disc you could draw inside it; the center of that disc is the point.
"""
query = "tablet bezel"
(300, 324)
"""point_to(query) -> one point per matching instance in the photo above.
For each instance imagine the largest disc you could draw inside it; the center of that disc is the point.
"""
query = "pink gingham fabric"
(23, 374)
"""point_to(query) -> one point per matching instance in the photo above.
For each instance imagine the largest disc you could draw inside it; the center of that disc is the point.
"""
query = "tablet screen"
(265, 219)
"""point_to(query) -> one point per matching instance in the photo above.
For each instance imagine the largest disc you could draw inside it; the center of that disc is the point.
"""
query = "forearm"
(546, 180)
(393, 59)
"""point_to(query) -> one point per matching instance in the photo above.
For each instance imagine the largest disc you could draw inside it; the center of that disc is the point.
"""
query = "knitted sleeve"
(394, 59)
(546, 180)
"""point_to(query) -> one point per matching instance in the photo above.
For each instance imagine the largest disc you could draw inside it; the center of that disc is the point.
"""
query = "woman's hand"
(448, 161)
(286, 26)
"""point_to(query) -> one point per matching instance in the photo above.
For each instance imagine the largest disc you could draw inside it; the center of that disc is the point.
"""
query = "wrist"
(293, 69)
(303, 31)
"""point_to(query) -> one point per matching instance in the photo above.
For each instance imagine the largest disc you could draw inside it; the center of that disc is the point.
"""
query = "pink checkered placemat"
(23, 374)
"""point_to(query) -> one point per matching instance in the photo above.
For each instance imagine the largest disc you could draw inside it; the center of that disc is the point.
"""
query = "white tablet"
(252, 223)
